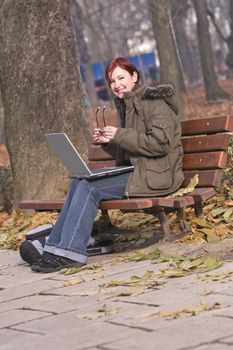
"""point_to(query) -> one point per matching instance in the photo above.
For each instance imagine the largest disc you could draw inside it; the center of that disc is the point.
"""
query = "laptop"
(69, 156)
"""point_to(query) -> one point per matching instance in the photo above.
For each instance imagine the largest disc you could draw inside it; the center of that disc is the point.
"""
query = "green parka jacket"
(148, 137)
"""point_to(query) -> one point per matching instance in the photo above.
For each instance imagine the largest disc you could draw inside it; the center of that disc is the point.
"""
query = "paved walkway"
(94, 309)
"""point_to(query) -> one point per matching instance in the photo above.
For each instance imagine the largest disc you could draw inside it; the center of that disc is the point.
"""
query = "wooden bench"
(205, 142)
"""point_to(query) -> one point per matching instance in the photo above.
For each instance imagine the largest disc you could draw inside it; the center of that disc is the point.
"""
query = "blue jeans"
(73, 228)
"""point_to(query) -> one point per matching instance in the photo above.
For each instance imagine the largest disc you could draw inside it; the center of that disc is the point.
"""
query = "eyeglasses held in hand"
(97, 118)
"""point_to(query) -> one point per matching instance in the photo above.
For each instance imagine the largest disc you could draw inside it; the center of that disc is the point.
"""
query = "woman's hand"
(99, 136)
(109, 132)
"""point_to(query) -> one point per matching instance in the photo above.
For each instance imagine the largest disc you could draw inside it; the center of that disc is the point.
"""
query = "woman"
(148, 137)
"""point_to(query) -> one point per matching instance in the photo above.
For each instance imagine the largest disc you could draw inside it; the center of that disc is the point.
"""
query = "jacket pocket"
(158, 173)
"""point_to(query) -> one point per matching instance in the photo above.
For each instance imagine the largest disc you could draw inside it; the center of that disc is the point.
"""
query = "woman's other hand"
(99, 136)
(109, 132)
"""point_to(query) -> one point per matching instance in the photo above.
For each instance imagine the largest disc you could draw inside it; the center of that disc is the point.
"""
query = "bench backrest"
(205, 143)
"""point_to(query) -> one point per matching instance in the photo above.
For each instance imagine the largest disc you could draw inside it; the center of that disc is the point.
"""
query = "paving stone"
(217, 346)
(228, 312)
(227, 340)
(28, 289)
(228, 290)
(18, 275)
(15, 340)
(75, 333)
(50, 303)
(194, 333)
(9, 258)
(33, 302)
(14, 317)
(150, 319)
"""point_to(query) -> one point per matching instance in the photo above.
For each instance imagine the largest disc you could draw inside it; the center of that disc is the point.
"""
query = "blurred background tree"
(213, 90)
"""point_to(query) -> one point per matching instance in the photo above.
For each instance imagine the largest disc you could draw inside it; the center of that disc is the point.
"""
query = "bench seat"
(131, 203)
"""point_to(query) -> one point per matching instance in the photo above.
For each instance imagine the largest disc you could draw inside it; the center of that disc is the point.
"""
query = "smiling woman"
(147, 137)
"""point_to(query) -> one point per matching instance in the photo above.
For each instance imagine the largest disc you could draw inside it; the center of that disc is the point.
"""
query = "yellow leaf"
(226, 276)
(87, 293)
(218, 211)
(182, 191)
(201, 222)
(190, 310)
(211, 234)
(211, 264)
(103, 311)
(227, 215)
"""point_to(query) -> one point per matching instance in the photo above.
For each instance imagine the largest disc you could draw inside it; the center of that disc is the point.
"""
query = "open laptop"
(69, 156)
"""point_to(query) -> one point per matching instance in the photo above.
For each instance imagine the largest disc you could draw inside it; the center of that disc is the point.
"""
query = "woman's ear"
(135, 76)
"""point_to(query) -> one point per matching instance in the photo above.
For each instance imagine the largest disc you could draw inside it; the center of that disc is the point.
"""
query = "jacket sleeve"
(110, 148)
(156, 140)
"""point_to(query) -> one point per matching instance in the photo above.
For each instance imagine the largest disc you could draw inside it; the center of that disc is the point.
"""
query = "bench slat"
(132, 203)
(43, 204)
(209, 125)
(202, 194)
(195, 144)
(173, 202)
(210, 160)
(97, 153)
(207, 178)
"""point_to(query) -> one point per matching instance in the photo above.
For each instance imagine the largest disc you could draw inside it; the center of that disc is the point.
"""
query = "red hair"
(122, 63)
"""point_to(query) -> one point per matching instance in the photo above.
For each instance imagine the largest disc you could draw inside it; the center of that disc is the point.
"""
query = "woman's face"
(121, 81)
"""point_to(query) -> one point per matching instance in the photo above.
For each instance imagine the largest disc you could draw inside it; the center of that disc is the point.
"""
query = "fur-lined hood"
(159, 91)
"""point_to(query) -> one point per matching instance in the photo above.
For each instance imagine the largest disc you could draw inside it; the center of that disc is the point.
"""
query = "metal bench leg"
(102, 223)
(198, 209)
(184, 226)
(105, 217)
(163, 219)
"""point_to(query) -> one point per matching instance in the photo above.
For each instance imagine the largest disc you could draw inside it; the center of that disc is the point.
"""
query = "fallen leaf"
(88, 293)
(183, 191)
(226, 276)
(191, 310)
(218, 211)
(202, 222)
(103, 311)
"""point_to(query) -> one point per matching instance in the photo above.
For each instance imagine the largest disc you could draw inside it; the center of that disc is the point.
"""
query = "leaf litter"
(184, 311)
(102, 312)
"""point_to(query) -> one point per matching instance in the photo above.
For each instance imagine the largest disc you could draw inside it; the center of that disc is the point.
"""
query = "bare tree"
(213, 90)
(167, 50)
(180, 11)
(83, 50)
(220, 13)
(41, 91)
(229, 59)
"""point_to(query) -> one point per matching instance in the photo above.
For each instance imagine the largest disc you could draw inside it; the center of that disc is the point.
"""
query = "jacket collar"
(120, 102)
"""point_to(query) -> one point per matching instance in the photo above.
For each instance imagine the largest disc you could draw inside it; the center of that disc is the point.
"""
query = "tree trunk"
(41, 92)
(167, 51)
(189, 63)
(85, 57)
(229, 58)
(213, 91)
